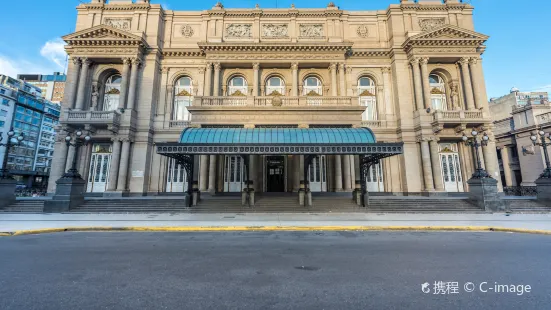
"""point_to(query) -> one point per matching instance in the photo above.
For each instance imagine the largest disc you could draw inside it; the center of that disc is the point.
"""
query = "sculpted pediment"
(103, 34)
(446, 35)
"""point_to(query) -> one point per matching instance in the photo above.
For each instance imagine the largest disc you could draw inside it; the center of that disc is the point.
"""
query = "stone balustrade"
(269, 101)
(96, 118)
(179, 124)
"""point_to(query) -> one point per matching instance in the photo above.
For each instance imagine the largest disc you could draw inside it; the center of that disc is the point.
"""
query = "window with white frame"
(312, 86)
(437, 92)
(368, 98)
(183, 97)
(275, 86)
(237, 86)
(112, 93)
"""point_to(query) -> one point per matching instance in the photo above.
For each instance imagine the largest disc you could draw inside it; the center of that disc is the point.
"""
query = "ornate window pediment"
(447, 35)
(104, 35)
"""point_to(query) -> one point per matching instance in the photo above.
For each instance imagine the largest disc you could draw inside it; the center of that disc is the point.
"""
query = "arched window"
(237, 86)
(368, 98)
(312, 86)
(437, 92)
(183, 97)
(112, 92)
(275, 86)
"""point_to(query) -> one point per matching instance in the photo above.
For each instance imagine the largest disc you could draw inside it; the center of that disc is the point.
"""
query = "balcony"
(270, 101)
(443, 119)
(109, 119)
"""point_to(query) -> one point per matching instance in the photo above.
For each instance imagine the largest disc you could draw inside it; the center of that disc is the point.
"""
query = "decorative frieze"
(239, 30)
(428, 24)
(275, 31)
(311, 30)
(118, 23)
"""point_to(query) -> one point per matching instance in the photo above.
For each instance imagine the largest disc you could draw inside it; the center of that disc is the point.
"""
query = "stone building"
(516, 117)
(139, 75)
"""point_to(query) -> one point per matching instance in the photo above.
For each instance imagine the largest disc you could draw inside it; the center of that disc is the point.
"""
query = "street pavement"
(275, 270)
(16, 222)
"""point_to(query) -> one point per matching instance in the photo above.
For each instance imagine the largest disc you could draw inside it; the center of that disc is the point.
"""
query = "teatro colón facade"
(273, 98)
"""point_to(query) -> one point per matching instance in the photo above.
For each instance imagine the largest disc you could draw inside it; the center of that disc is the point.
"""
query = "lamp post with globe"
(79, 141)
(12, 140)
(474, 142)
(543, 136)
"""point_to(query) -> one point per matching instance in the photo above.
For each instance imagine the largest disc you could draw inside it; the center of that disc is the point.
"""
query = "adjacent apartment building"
(51, 85)
(139, 75)
(516, 117)
(30, 161)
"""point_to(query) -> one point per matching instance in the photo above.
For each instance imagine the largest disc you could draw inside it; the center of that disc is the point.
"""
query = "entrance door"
(317, 175)
(99, 169)
(233, 173)
(374, 179)
(275, 174)
(451, 168)
(176, 177)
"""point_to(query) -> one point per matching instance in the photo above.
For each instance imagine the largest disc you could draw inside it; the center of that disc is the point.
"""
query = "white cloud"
(53, 59)
(54, 51)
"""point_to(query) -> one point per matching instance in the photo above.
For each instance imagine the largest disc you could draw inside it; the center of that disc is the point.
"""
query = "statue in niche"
(454, 97)
(95, 95)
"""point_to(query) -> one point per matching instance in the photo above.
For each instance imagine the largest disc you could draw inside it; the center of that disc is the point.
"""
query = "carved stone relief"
(428, 24)
(187, 31)
(239, 30)
(118, 23)
(274, 30)
(362, 31)
(311, 30)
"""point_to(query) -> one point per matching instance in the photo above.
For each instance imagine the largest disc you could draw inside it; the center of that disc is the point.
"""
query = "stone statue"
(95, 95)
(454, 96)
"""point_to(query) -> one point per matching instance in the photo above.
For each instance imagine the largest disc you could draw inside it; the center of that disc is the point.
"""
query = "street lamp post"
(474, 142)
(12, 140)
(543, 143)
(79, 141)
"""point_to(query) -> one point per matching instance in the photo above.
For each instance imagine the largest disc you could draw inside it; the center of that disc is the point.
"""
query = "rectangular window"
(2, 123)
(5, 102)
(3, 112)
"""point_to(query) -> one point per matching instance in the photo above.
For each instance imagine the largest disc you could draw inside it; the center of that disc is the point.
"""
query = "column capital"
(414, 61)
(256, 66)
(127, 60)
(208, 65)
(341, 67)
(294, 66)
(424, 60)
(76, 60)
(385, 70)
(473, 60)
(202, 70)
(464, 61)
(136, 61)
(333, 66)
(86, 61)
(217, 66)
(115, 139)
(165, 69)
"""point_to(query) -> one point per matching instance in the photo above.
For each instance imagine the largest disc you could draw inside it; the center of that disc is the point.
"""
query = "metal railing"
(520, 190)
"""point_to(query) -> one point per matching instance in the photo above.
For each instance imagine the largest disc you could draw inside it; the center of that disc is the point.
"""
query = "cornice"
(275, 47)
(117, 7)
(178, 52)
(385, 53)
(244, 13)
(433, 7)
(104, 35)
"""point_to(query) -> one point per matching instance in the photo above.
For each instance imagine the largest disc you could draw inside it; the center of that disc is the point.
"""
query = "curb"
(274, 228)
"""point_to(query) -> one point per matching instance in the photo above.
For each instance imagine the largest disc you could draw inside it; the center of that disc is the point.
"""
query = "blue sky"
(517, 53)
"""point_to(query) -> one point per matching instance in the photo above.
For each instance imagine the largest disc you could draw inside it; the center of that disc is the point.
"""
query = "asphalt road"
(280, 270)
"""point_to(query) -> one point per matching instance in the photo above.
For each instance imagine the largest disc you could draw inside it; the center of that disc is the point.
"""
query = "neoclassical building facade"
(139, 75)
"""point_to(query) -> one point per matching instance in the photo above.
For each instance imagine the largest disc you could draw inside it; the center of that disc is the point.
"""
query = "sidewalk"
(19, 222)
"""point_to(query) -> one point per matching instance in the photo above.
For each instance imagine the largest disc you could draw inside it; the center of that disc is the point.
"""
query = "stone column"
(478, 101)
(436, 167)
(490, 158)
(212, 174)
(352, 170)
(417, 84)
(207, 90)
(216, 86)
(253, 170)
(294, 69)
(296, 173)
(380, 104)
(256, 67)
(333, 69)
(427, 166)
(506, 166)
(58, 162)
(389, 107)
(204, 174)
(467, 85)
(132, 90)
(81, 95)
(123, 169)
(426, 84)
(338, 173)
(114, 166)
(342, 80)
(70, 155)
(126, 62)
(347, 184)
(73, 78)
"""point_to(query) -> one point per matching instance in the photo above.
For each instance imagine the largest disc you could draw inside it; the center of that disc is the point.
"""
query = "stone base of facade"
(435, 194)
(7, 192)
(69, 195)
(484, 193)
